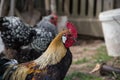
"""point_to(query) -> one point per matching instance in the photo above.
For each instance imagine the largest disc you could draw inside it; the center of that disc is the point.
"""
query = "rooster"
(53, 64)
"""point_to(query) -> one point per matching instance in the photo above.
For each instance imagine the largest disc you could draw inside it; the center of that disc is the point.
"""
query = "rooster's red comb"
(72, 29)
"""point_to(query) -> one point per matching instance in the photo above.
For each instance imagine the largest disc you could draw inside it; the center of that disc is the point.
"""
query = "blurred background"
(90, 47)
(84, 13)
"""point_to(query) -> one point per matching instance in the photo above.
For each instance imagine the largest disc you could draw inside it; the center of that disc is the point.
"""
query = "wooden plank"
(12, 8)
(83, 7)
(75, 8)
(1, 7)
(117, 3)
(60, 6)
(53, 6)
(108, 4)
(99, 7)
(92, 28)
(90, 8)
(66, 7)
(47, 5)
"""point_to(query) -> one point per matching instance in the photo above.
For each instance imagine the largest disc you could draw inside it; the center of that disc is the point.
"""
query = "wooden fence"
(84, 13)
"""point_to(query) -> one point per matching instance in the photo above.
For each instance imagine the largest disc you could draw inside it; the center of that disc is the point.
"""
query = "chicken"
(46, 31)
(15, 34)
(51, 65)
(21, 33)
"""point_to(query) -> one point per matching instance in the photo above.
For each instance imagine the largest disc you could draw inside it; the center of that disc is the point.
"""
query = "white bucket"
(111, 29)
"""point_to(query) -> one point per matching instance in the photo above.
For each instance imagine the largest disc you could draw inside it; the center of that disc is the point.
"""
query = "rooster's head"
(69, 39)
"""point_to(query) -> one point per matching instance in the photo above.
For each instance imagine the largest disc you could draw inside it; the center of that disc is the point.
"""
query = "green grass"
(81, 76)
(85, 49)
(102, 55)
(84, 60)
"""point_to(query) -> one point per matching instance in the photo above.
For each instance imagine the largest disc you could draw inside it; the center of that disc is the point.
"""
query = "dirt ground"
(80, 53)
(86, 49)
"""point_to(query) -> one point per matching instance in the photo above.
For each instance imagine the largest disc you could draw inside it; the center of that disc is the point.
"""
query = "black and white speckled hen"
(15, 33)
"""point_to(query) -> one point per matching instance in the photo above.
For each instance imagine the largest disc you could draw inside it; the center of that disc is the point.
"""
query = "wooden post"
(60, 7)
(47, 5)
(12, 8)
(108, 4)
(83, 7)
(99, 7)
(66, 7)
(75, 8)
(1, 7)
(90, 8)
(53, 6)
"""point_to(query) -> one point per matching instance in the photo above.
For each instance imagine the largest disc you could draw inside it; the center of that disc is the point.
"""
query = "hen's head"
(53, 18)
(69, 39)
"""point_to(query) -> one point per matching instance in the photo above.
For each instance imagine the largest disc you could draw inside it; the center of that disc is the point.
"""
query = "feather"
(46, 31)
(53, 55)
(15, 33)
(53, 64)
